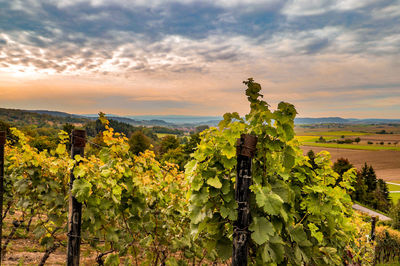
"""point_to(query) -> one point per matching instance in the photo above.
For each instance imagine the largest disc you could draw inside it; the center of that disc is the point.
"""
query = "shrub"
(395, 214)
(387, 245)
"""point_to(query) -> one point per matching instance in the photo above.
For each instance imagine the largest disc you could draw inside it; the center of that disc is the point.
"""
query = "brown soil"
(382, 137)
(385, 163)
(24, 249)
(29, 252)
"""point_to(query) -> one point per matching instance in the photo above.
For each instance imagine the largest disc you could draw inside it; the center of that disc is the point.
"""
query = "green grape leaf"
(81, 189)
(288, 157)
(224, 248)
(80, 171)
(112, 260)
(214, 182)
(270, 201)
(298, 235)
(229, 151)
(315, 233)
(262, 230)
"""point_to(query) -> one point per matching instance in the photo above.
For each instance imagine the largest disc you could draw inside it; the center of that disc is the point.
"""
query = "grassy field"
(393, 187)
(368, 141)
(353, 146)
(311, 138)
(395, 197)
(161, 135)
(335, 133)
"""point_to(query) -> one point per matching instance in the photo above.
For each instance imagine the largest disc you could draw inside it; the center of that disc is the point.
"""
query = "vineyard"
(136, 210)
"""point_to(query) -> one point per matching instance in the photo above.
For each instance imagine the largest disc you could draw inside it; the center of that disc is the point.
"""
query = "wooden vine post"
(373, 224)
(245, 150)
(2, 143)
(78, 142)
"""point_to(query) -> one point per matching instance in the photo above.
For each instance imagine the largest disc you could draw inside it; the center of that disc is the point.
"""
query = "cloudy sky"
(141, 57)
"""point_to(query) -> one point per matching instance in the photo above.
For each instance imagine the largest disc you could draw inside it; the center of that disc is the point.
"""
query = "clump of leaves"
(300, 213)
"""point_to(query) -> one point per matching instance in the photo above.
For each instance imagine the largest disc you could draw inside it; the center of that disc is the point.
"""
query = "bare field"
(386, 163)
(393, 139)
(382, 137)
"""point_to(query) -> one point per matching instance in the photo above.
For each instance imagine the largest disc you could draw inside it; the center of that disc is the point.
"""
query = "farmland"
(386, 163)
(382, 151)
(353, 146)
(394, 191)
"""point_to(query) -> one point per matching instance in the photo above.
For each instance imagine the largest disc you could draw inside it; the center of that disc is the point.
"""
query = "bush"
(300, 215)
(395, 214)
(387, 245)
(361, 251)
(139, 142)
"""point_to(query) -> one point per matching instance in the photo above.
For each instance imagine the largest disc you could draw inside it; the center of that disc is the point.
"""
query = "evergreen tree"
(369, 177)
(341, 166)
(381, 197)
(360, 189)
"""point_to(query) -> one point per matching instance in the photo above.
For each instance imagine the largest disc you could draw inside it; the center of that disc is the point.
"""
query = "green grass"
(161, 135)
(311, 138)
(336, 133)
(352, 146)
(389, 264)
(395, 197)
(393, 187)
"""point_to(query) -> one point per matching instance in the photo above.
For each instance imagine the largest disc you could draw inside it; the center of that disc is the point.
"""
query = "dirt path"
(371, 212)
(385, 163)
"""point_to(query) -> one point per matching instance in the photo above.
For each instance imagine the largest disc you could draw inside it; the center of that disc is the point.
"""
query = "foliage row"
(138, 210)
(299, 214)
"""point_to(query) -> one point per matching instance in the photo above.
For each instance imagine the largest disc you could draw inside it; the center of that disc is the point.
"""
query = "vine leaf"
(289, 157)
(262, 229)
(214, 182)
(81, 189)
(268, 200)
(224, 248)
(299, 235)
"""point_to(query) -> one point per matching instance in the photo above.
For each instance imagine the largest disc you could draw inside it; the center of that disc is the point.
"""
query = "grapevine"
(298, 214)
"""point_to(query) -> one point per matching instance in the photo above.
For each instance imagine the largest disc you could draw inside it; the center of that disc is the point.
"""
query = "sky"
(188, 57)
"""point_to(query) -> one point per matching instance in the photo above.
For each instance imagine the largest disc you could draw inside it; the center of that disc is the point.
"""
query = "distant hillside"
(164, 120)
(178, 119)
(339, 120)
(56, 118)
(56, 113)
(18, 117)
(320, 120)
(141, 122)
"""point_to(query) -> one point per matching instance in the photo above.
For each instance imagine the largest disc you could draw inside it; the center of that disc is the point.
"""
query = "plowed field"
(385, 163)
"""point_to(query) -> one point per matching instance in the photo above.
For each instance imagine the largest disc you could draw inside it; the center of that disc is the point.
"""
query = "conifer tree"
(369, 176)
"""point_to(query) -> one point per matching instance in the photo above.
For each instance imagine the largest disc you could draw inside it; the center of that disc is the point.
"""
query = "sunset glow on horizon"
(188, 57)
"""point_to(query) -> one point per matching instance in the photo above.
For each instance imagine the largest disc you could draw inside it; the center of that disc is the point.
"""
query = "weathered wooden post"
(246, 147)
(373, 224)
(2, 143)
(78, 141)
